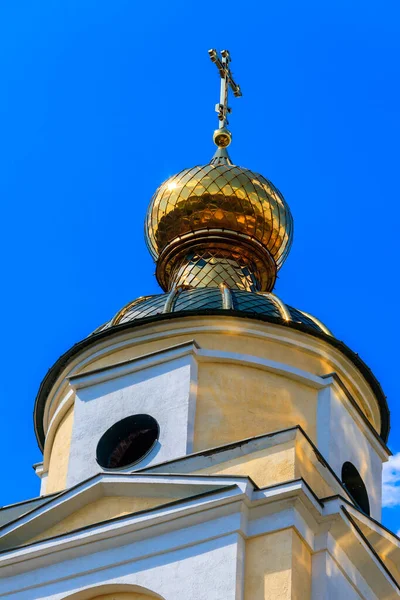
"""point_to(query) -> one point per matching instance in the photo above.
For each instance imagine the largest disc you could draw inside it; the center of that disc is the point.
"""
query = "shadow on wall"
(354, 478)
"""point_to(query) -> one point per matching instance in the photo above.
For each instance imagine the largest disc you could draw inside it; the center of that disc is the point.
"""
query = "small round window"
(127, 441)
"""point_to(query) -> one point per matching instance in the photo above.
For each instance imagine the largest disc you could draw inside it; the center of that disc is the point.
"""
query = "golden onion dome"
(231, 210)
(219, 224)
(220, 196)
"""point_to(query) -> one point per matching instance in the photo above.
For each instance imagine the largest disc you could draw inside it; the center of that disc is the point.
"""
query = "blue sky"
(101, 101)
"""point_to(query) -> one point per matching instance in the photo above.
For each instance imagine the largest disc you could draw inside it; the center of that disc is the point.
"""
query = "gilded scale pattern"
(209, 299)
(211, 268)
(220, 196)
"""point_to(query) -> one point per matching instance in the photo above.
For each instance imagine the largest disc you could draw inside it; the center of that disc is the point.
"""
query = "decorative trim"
(126, 367)
(227, 489)
(207, 329)
(263, 364)
(314, 381)
(370, 549)
(367, 520)
(221, 515)
(346, 567)
(170, 301)
(251, 250)
(281, 306)
(121, 313)
(227, 303)
(239, 448)
(103, 336)
(317, 322)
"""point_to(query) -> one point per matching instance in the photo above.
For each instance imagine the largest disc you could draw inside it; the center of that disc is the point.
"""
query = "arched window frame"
(355, 486)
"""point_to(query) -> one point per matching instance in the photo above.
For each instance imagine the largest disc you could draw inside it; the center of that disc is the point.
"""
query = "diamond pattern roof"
(220, 196)
(200, 299)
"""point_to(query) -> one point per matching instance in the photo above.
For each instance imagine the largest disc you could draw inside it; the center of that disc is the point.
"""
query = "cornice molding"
(55, 385)
(237, 511)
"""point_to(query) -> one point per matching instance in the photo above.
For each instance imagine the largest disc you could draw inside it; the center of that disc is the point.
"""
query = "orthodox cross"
(222, 64)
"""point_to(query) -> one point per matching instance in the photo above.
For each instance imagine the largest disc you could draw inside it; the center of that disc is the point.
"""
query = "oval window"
(353, 483)
(127, 441)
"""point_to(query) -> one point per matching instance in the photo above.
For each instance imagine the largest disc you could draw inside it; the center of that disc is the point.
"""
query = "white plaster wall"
(162, 391)
(329, 582)
(340, 439)
(205, 571)
(199, 556)
(43, 483)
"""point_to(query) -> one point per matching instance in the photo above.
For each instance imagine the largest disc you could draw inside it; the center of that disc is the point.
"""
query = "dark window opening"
(353, 483)
(127, 441)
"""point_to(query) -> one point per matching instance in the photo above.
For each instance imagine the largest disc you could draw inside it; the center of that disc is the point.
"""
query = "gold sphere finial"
(222, 137)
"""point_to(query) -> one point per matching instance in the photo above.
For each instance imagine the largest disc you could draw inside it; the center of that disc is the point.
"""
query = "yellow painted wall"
(230, 341)
(235, 402)
(58, 464)
(384, 547)
(277, 464)
(233, 339)
(282, 462)
(309, 468)
(268, 565)
(264, 348)
(266, 467)
(277, 567)
(301, 569)
(101, 510)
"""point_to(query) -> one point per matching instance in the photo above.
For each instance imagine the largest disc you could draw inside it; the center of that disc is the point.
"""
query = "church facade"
(210, 442)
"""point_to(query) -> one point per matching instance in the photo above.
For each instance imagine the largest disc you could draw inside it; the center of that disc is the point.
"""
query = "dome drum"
(215, 257)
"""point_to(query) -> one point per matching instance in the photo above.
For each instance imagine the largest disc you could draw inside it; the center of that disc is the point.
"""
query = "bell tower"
(210, 441)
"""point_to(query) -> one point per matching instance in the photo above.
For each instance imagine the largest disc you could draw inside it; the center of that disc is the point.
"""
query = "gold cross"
(227, 81)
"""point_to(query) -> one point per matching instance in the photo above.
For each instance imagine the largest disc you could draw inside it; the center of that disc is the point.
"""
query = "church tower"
(210, 442)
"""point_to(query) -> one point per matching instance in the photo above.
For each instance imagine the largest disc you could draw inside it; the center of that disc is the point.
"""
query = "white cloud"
(391, 482)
